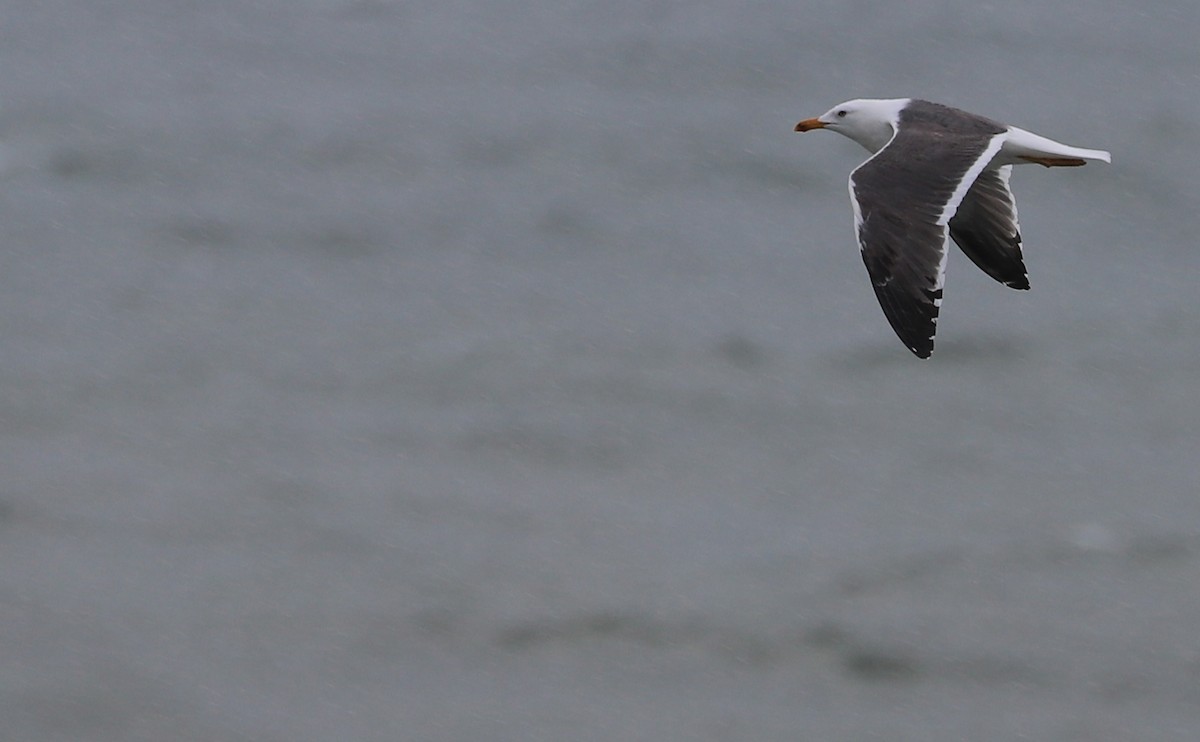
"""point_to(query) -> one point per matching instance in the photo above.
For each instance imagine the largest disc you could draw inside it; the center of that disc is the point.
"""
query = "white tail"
(1025, 146)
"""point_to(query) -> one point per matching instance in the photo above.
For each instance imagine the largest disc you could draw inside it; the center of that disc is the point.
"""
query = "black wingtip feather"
(914, 322)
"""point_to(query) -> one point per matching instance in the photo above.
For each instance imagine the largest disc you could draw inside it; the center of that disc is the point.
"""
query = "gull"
(935, 171)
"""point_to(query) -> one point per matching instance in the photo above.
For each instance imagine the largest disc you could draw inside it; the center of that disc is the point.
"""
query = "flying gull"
(935, 169)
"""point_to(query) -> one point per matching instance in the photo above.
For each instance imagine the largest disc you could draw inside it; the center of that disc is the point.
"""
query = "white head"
(867, 121)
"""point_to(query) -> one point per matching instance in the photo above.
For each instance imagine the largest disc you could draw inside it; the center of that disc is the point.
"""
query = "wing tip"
(1021, 284)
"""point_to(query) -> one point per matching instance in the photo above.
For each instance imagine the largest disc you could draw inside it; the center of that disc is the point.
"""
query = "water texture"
(380, 370)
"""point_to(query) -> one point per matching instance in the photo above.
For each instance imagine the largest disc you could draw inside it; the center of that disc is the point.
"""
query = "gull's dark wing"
(904, 196)
(985, 227)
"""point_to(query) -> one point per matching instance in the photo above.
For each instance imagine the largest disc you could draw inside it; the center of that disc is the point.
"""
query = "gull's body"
(935, 172)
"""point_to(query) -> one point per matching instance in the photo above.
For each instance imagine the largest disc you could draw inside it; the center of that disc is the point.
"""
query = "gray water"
(385, 370)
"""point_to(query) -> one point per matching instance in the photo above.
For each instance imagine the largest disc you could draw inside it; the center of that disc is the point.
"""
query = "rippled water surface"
(385, 370)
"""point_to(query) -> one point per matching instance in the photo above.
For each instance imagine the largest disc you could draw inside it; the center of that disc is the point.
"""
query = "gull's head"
(869, 122)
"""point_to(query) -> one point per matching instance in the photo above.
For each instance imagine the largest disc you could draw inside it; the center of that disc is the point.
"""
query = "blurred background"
(385, 370)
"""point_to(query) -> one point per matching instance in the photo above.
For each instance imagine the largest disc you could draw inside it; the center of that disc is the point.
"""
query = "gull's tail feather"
(1025, 146)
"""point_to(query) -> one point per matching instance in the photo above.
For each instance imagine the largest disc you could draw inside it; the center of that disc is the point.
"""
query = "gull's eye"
(841, 114)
